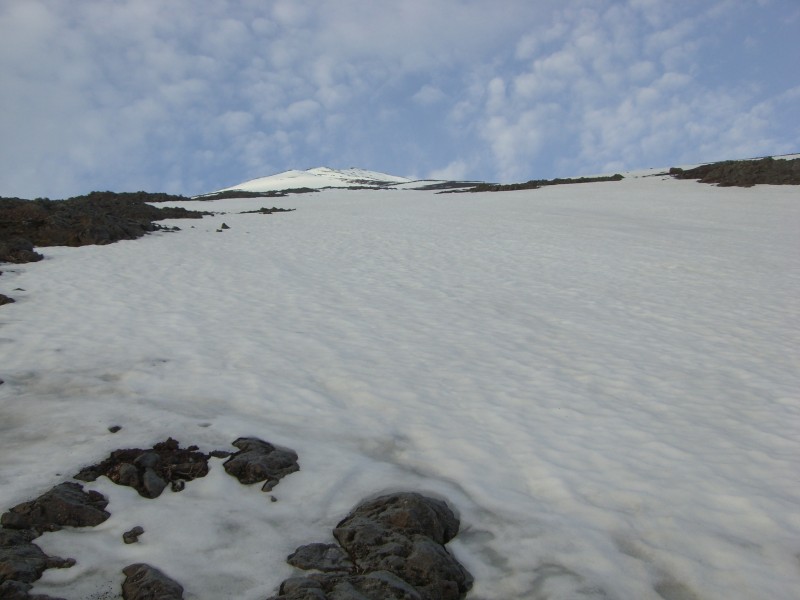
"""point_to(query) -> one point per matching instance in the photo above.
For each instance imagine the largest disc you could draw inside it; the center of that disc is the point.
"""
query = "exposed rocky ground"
(244, 194)
(744, 173)
(150, 470)
(266, 211)
(391, 547)
(21, 561)
(97, 218)
(538, 183)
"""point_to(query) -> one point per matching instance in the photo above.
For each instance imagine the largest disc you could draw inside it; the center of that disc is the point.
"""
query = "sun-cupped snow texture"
(602, 380)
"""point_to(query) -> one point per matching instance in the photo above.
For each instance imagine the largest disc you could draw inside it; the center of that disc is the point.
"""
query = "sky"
(189, 97)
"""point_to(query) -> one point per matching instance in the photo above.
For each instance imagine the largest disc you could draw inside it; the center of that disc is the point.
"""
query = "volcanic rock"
(132, 536)
(97, 218)
(150, 470)
(18, 590)
(65, 505)
(258, 461)
(23, 561)
(143, 582)
(18, 250)
(744, 173)
(323, 557)
(380, 585)
(407, 513)
(395, 544)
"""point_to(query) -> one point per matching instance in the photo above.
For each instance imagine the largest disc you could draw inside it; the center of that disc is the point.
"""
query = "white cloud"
(115, 94)
(428, 94)
(235, 122)
(457, 170)
(299, 111)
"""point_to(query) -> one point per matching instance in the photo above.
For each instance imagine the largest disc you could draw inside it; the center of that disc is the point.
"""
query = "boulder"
(65, 505)
(405, 513)
(150, 470)
(380, 585)
(323, 557)
(17, 590)
(391, 548)
(132, 536)
(259, 461)
(23, 561)
(18, 250)
(143, 582)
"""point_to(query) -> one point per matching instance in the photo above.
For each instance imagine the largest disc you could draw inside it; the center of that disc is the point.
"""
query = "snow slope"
(601, 378)
(318, 178)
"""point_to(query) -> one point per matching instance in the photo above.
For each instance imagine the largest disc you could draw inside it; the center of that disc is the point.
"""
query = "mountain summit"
(318, 178)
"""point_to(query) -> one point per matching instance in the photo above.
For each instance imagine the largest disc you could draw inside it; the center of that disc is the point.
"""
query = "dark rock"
(132, 536)
(147, 460)
(125, 474)
(258, 461)
(5, 299)
(149, 471)
(322, 557)
(224, 226)
(405, 512)
(220, 453)
(14, 590)
(66, 505)
(17, 590)
(426, 565)
(143, 582)
(152, 483)
(266, 211)
(114, 428)
(744, 173)
(97, 218)
(392, 547)
(535, 184)
(380, 585)
(23, 562)
(17, 249)
(301, 588)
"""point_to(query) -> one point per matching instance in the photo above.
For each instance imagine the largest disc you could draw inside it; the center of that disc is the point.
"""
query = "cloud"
(456, 170)
(617, 85)
(134, 94)
(428, 94)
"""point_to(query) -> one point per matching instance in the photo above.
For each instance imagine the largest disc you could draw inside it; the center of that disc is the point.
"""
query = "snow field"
(600, 378)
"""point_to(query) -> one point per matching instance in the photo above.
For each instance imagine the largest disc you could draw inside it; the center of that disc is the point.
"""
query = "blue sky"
(189, 96)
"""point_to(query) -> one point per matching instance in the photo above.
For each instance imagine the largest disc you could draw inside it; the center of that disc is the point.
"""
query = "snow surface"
(318, 178)
(602, 379)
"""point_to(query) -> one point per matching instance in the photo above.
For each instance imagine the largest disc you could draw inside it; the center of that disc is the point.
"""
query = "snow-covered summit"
(318, 178)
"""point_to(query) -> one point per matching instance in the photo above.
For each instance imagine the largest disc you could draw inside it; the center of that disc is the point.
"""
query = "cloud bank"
(189, 97)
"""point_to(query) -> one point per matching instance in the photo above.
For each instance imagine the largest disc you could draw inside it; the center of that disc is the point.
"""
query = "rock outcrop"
(259, 461)
(65, 505)
(97, 218)
(23, 562)
(143, 582)
(744, 173)
(150, 470)
(391, 547)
